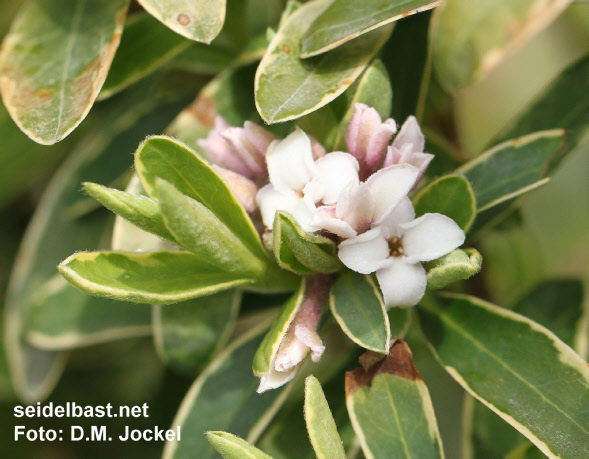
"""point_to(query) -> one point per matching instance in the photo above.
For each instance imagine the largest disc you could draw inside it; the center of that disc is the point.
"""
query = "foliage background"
(551, 242)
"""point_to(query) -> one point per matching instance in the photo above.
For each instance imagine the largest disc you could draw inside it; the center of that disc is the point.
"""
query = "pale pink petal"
(318, 150)
(290, 162)
(402, 284)
(324, 218)
(291, 356)
(403, 213)
(244, 189)
(311, 339)
(377, 146)
(245, 150)
(303, 212)
(363, 124)
(389, 186)
(259, 137)
(410, 133)
(335, 172)
(429, 237)
(393, 157)
(270, 200)
(356, 207)
(364, 253)
(274, 379)
(220, 152)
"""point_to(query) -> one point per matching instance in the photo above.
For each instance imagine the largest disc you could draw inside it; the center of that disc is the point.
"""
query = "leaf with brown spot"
(54, 62)
(390, 407)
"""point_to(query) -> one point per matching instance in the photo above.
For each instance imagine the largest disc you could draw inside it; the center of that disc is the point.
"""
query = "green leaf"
(320, 423)
(357, 306)
(453, 267)
(450, 195)
(266, 353)
(199, 20)
(224, 397)
(188, 333)
(469, 42)
(139, 210)
(512, 168)
(400, 320)
(390, 407)
(54, 232)
(231, 447)
(175, 163)
(344, 20)
(559, 106)
(54, 62)
(197, 229)
(61, 317)
(154, 278)
(287, 87)
(301, 252)
(132, 62)
(515, 367)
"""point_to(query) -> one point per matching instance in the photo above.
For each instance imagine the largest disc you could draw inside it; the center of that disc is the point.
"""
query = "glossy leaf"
(173, 162)
(347, 19)
(455, 266)
(231, 447)
(187, 334)
(131, 63)
(197, 229)
(559, 106)
(266, 353)
(155, 277)
(512, 168)
(54, 62)
(199, 20)
(320, 423)
(54, 233)
(450, 195)
(400, 321)
(514, 366)
(287, 87)
(390, 406)
(224, 397)
(142, 211)
(469, 42)
(301, 252)
(357, 306)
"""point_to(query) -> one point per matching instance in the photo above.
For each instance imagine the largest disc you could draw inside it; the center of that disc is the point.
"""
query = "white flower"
(396, 248)
(298, 183)
(367, 204)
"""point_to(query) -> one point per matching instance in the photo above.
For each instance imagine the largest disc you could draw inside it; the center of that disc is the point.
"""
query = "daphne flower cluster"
(359, 196)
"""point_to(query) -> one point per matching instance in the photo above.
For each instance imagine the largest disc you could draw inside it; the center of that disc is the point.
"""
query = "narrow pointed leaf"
(469, 42)
(559, 106)
(175, 163)
(54, 62)
(187, 334)
(59, 319)
(139, 210)
(514, 167)
(450, 195)
(287, 87)
(197, 229)
(155, 277)
(357, 306)
(131, 63)
(516, 368)
(457, 265)
(231, 447)
(199, 20)
(320, 423)
(390, 407)
(301, 252)
(223, 397)
(347, 19)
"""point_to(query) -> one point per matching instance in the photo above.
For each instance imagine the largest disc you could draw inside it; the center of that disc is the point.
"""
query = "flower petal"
(242, 187)
(311, 339)
(403, 213)
(364, 253)
(388, 187)
(336, 171)
(324, 218)
(377, 146)
(429, 237)
(410, 133)
(290, 162)
(356, 207)
(274, 379)
(402, 284)
(270, 200)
